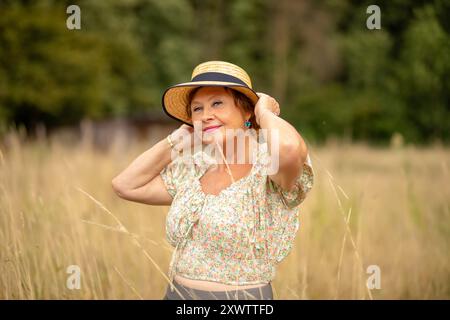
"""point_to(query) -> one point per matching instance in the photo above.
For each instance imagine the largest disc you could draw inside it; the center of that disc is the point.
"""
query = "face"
(215, 107)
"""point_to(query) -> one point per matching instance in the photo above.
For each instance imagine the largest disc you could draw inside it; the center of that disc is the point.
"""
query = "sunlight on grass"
(384, 207)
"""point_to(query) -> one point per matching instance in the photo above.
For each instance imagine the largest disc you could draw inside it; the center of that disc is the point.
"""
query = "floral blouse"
(238, 236)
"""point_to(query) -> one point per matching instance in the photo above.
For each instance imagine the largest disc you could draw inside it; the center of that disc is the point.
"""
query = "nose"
(208, 114)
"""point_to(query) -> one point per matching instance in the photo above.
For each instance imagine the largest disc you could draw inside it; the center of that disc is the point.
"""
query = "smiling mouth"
(211, 129)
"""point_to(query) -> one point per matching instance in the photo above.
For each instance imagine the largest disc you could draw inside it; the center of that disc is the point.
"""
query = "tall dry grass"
(384, 207)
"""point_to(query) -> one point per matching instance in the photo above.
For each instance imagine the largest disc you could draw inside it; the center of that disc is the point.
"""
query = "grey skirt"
(259, 293)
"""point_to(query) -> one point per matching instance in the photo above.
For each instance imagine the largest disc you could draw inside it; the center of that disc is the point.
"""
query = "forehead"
(206, 92)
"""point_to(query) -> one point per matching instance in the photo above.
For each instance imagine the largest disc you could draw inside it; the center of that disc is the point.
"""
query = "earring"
(248, 124)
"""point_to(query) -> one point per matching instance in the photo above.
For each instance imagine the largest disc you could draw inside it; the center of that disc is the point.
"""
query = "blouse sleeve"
(303, 185)
(173, 174)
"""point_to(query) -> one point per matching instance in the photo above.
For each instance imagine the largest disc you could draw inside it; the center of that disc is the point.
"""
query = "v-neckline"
(227, 188)
(204, 169)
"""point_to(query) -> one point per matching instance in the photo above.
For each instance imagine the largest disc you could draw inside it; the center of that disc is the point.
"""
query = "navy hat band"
(217, 76)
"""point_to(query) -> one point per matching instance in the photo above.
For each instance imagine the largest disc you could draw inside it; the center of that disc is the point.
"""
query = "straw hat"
(210, 73)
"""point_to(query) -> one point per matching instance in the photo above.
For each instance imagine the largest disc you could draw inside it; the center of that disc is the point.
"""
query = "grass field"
(383, 207)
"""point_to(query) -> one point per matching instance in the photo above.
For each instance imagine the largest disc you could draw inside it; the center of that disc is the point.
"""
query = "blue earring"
(248, 124)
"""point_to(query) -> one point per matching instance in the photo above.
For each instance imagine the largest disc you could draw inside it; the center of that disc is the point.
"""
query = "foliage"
(331, 75)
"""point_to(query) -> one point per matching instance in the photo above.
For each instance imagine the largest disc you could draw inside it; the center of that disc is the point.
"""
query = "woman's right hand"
(183, 138)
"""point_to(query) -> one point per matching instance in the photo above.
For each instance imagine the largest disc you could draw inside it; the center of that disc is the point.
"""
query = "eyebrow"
(209, 99)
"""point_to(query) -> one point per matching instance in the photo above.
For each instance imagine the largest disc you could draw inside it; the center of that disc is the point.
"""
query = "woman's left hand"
(266, 103)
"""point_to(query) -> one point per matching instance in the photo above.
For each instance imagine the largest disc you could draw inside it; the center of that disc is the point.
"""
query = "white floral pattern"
(238, 236)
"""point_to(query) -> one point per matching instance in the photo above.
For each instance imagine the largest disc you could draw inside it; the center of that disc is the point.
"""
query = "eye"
(196, 108)
(217, 103)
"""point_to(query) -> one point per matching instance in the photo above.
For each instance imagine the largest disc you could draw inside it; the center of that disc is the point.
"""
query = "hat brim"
(175, 98)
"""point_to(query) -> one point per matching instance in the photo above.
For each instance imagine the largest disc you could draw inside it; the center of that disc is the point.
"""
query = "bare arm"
(292, 148)
(140, 181)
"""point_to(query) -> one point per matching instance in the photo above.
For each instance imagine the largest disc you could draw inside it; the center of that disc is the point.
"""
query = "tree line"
(332, 75)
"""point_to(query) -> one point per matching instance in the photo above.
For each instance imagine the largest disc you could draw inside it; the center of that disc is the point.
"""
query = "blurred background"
(77, 106)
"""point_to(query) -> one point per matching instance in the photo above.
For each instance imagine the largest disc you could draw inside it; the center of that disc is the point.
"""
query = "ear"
(247, 115)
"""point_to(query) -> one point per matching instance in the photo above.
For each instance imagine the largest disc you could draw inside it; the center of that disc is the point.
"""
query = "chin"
(214, 137)
(211, 140)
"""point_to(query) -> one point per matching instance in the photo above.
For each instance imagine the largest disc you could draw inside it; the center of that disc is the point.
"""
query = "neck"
(241, 155)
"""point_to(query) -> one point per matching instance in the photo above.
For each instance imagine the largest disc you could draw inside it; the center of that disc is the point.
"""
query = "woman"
(232, 221)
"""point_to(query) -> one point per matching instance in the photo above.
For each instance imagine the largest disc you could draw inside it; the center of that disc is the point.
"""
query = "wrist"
(260, 115)
(170, 141)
